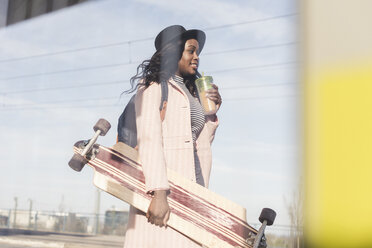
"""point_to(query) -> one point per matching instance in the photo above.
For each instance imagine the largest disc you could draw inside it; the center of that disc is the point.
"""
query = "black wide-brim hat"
(177, 32)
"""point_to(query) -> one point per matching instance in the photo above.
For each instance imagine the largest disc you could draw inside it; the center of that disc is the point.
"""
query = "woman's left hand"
(214, 95)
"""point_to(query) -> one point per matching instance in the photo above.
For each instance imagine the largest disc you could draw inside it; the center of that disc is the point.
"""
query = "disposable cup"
(203, 84)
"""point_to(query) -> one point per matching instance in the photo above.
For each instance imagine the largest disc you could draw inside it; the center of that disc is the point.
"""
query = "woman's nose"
(196, 56)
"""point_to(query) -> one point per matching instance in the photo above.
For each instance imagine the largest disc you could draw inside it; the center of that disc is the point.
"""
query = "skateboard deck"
(197, 212)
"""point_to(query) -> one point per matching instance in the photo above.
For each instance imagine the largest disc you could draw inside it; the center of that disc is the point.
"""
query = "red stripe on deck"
(192, 202)
(223, 220)
(120, 164)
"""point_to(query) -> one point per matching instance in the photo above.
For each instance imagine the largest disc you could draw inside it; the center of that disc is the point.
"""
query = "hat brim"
(197, 35)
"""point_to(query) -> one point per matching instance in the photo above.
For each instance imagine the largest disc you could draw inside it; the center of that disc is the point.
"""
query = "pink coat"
(161, 145)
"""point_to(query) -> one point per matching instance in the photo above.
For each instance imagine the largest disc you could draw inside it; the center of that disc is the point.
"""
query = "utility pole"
(61, 207)
(15, 211)
(98, 200)
(30, 214)
(35, 225)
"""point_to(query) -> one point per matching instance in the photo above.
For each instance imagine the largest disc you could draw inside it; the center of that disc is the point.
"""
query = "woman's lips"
(194, 66)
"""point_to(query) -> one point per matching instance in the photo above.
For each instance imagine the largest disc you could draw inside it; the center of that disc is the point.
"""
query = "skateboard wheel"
(102, 125)
(77, 162)
(267, 214)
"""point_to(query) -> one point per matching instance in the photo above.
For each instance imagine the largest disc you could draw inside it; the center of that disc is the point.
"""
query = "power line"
(264, 66)
(66, 101)
(16, 106)
(128, 63)
(65, 87)
(67, 70)
(251, 48)
(137, 62)
(30, 107)
(140, 40)
(259, 97)
(61, 107)
(252, 21)
(255, 67)
(236, 87)
(75, 50)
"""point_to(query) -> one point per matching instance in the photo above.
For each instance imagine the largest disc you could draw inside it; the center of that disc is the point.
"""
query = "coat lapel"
(174, 84)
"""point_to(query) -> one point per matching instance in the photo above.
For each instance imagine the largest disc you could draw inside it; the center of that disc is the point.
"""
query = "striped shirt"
(197, 124)
(196, 110)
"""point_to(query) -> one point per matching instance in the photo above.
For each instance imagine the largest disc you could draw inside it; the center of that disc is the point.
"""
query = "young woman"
(179, 140)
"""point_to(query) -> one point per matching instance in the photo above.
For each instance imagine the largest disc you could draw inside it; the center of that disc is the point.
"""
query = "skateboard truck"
(78, 161)
(267, 218)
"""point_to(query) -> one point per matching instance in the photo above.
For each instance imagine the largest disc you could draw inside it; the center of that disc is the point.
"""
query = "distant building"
(115, 222)
(3, 220)
(48, 221)
(13, 11)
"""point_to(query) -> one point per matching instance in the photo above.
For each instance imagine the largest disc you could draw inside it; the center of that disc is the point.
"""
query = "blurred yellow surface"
(338, 157)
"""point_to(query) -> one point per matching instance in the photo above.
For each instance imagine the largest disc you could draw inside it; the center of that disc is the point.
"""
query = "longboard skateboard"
(197, 212)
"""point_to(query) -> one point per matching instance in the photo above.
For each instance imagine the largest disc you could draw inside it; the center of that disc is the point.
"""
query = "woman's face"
(188, 64)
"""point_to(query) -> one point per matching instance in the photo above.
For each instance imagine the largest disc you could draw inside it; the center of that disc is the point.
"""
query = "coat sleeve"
(150, 138)
(212, 124)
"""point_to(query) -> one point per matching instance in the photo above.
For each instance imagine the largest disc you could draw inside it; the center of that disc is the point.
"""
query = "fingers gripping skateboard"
(78, 161)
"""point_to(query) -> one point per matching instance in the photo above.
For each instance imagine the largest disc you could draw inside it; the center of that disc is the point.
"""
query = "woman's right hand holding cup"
(208, 93)
(214, 95)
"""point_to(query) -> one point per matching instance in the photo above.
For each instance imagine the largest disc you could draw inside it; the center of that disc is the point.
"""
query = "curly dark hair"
(162, 65)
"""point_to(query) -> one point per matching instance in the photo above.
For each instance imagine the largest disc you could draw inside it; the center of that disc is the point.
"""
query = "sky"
(61, 72)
